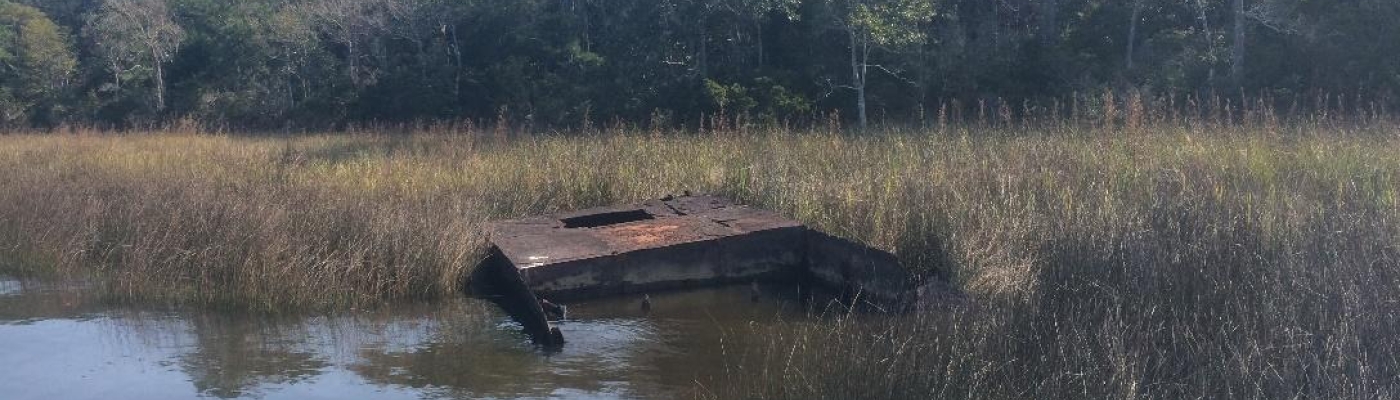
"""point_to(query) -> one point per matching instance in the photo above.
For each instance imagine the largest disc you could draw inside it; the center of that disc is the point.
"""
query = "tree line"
(561, 63)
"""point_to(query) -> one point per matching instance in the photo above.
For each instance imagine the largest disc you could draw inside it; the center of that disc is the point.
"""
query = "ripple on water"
(605, 343)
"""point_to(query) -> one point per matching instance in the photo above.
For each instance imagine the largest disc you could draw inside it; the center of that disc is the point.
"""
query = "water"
(56, 343)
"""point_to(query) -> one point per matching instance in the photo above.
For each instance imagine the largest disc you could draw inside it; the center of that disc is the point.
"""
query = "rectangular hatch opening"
(607, 218)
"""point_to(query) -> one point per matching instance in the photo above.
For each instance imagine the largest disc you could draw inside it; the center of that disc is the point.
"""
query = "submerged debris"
(673, 242)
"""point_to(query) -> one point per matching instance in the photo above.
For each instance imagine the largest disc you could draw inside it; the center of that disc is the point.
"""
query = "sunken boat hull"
(671, 243)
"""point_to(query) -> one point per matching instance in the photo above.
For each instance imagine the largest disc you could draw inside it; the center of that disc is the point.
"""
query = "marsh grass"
(1175, 264)
(1156, 259)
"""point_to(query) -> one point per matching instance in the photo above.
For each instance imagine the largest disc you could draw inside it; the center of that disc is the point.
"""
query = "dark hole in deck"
(605, 219)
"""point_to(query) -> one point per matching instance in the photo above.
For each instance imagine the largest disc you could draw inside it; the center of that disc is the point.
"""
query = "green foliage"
(893, 22)
(323, 63)
(764, 99)
(36, 65)
(583, 58)
(733, 97)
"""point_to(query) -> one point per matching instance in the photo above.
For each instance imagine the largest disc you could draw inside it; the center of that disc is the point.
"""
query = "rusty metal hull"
(859, 271)
(676, 242)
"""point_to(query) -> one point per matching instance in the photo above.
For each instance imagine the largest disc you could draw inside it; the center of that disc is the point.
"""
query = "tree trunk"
(858, 68)
(1132, 31)
(1049, 22)
(352, 60)
(1237, 52)
(422, 57)
(1201, 17)
(457, 64)
(117, 75)
(291, 85)
(860, 105)
(759, 29)
(587, 30)
(1209, 39)
(702, 59)
(160, 84)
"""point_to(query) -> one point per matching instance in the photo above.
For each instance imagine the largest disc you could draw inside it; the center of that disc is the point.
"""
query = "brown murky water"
(57, 344)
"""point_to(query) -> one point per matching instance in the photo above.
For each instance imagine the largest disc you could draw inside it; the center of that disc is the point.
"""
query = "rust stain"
(643, 234)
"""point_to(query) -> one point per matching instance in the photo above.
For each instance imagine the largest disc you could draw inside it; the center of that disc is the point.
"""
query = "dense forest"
(267, 64)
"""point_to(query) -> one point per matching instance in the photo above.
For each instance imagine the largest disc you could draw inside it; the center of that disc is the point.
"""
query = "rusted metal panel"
(658, 244)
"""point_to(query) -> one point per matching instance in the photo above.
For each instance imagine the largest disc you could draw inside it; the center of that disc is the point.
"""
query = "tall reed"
(1147, 259)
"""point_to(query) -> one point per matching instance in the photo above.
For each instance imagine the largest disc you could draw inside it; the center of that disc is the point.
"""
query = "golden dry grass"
(1166, 261)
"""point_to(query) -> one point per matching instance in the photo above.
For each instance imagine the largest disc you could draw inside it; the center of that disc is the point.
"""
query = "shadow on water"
(74, 348)
(235, 355)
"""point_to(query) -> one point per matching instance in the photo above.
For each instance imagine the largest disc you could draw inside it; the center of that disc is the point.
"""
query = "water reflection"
(28, 301)
(614, 350)
(72, 347)
(233, 356)
(9, 286)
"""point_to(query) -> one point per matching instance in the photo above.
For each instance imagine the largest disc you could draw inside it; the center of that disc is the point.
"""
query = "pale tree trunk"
(1237, 51)
(117, 75)
(160, 81)
(457, 64)
(352, 59)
